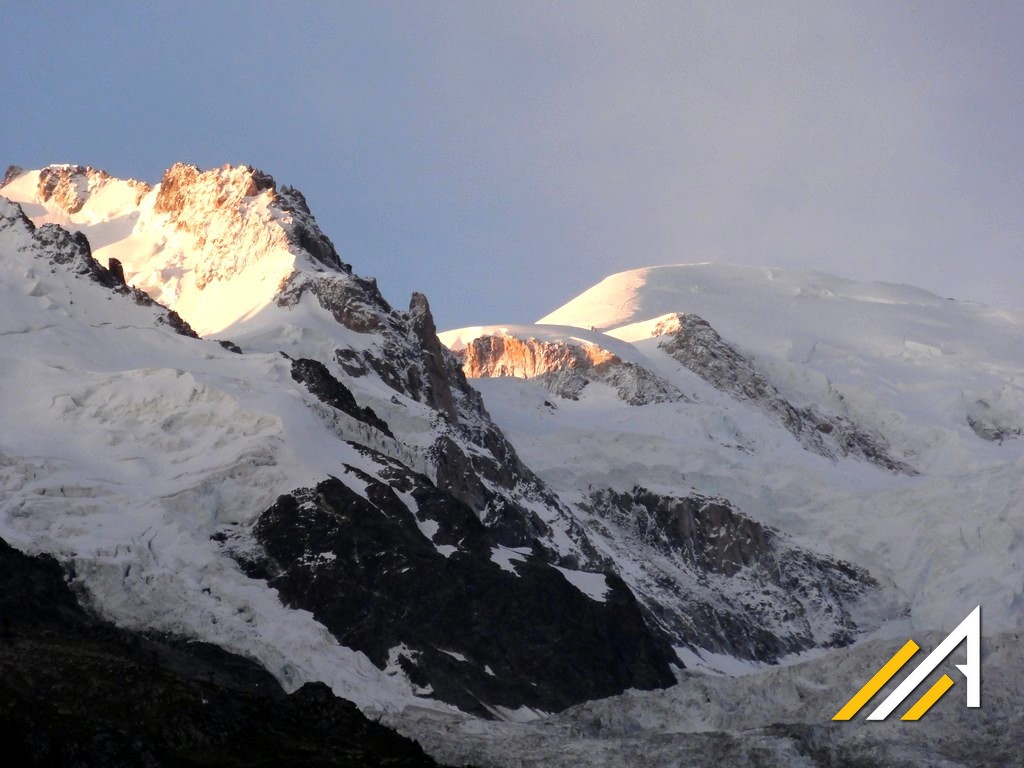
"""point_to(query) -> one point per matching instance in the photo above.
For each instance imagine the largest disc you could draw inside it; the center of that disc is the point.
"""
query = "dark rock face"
(356, 303)
(419, 589)
(989, 424)
(709, 533)
(305, 232)
(71, 249)
(117, 271)
(319, 381)
(56, 244)
(177, 323)
(693, 342)
(230, 346)
(410, 359)
(76, 691)
(739, 586)
(434, 379)
(470, 477)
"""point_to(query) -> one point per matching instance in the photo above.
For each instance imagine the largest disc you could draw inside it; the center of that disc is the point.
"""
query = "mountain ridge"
(707, 467)
(331, 382)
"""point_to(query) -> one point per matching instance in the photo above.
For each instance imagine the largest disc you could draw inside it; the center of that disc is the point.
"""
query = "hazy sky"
(502, 157)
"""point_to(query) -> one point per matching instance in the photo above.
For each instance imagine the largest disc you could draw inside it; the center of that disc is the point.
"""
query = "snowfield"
(920, 370)
(906, 364)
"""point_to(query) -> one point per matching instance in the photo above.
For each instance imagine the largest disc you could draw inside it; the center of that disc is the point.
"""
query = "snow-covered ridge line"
(215, 246)
(930, 382)
(319, 384)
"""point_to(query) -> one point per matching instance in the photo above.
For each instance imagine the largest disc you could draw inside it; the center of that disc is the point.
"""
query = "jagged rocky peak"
(237, 215)
(70, 186)
(13, 217)
(470, 456)
(564, 366)
(186, 191)
(409, 358)
(186, 240)
(54, 243)
(436, 374)
(12, 172)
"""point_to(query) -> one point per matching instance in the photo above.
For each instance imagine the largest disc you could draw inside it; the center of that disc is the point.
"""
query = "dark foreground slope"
(76, 691)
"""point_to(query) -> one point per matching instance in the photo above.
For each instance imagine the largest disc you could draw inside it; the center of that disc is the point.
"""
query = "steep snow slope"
(634, 444)
(123, 452)
(245, 261)
(340, 486)
(913, 365)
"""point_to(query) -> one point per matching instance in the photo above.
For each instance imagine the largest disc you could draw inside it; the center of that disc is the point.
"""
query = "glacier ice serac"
(680, 519)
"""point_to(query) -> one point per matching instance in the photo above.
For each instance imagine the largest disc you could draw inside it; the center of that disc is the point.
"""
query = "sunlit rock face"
(70, 186)
(216, 246)
(564, 368)
(528, 358)
(238, 219)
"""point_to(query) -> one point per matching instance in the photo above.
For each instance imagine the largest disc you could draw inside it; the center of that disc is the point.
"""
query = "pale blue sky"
(502, 157)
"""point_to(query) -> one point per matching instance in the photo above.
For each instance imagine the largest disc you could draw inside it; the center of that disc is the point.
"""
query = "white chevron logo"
(969, 630)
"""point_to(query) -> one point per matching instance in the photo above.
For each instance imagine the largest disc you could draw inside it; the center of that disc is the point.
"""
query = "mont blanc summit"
(677, 518)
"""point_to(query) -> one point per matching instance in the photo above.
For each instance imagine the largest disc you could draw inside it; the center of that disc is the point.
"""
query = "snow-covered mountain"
(334, 501)
(784, 455)
(224, 434)
(876, 423)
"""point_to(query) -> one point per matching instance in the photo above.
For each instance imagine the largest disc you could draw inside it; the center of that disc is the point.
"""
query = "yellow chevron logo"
(969, 630)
